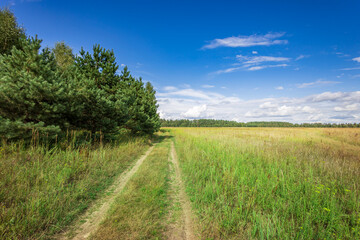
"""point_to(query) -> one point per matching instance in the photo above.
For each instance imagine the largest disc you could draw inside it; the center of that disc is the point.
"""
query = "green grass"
(42, 190)
(273, 183)
(141, 209)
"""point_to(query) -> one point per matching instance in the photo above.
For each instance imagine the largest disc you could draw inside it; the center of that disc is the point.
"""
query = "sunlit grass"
(267, 183)
(42, 190)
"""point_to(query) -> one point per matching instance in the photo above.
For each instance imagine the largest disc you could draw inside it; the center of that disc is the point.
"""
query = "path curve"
(95, 215)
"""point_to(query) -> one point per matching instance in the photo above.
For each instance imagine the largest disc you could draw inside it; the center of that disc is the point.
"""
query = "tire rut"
(183, 227)
(91, 220)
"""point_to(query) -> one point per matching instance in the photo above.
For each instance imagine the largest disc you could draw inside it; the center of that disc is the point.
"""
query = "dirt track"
(183, 227)
(90, 221)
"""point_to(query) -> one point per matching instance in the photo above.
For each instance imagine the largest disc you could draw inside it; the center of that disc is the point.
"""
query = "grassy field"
(243, 183)
(272, 183)
(44, 189)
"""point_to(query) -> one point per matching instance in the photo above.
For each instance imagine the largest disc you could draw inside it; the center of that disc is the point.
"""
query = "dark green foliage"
(51, 92)
(32, 95)
(10, 32)
(102, 96)
(38, 95)
(99, 67)
(143, 116)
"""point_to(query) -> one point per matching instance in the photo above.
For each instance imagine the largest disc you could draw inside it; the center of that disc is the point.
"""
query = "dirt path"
(89, 223)
(182, 227)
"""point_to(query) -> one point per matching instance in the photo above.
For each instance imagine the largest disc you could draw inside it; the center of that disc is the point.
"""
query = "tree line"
(51, 91)
(225, 123)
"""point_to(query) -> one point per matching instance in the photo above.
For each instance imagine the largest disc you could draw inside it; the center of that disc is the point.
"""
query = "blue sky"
(296, 61)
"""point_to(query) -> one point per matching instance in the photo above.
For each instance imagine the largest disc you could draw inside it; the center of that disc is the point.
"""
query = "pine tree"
(32, 94)
(104, 107)
(143, 116)
(10, 32)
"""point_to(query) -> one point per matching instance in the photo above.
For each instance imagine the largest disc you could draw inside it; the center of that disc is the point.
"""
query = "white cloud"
(316, 83)
(350, 107)
(300, 57)
(308, 109)
(279, 88)
(247, 41)
(170, 88)
(191, 93)
(255, 68)
(196, 112)
(267, 105)
(254, 52)
(336, 97)
(357, 59)
(228, 70)
(207, 86)
(334, 107)
(253, 63)
(122, 65)
(260, 59)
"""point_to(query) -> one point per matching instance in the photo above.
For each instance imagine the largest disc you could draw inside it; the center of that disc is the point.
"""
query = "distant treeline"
(225, 123)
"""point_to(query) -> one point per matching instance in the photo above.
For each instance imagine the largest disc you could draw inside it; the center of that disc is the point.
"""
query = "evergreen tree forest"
(51, 91)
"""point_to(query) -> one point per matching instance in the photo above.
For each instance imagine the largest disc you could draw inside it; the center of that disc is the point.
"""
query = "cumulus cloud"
(196, 112)
(350, 107)
(316, 83)
(268, 105)
(279, 88)
(247, 41)
(357, 59)
(334, 107)
(254, 52)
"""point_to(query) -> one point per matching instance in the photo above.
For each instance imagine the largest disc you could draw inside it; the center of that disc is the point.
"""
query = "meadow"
(272, 183)
(45, 188)
(241, 183)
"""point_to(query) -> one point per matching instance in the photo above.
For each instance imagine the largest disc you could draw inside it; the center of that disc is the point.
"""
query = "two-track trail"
(183, 227)
(90, 221)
